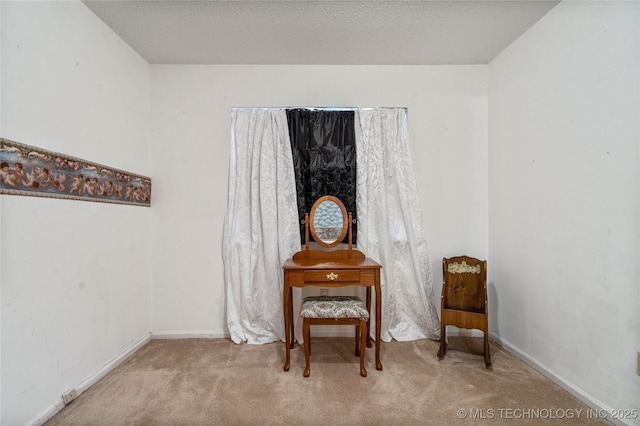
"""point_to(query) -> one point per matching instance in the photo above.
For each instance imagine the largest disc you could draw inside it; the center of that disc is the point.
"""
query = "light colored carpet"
(216, 382)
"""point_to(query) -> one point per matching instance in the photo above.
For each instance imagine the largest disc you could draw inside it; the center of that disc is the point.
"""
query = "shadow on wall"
(493, 309)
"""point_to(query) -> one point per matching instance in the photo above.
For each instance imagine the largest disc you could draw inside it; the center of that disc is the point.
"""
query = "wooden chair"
(464, 299)
(335, 310)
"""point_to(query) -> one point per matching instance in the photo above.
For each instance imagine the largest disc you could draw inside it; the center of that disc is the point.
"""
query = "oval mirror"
(328, 221)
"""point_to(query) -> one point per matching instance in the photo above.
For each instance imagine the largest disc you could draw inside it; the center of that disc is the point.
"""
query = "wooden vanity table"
(336, 268)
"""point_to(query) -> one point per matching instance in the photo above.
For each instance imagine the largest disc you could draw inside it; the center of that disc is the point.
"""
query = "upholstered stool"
(335, 310)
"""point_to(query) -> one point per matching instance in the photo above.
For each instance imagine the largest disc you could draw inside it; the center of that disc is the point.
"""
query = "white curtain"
(261, 227)
(390, 225)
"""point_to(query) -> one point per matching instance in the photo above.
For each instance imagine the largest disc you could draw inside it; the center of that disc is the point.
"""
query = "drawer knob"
(332, 276)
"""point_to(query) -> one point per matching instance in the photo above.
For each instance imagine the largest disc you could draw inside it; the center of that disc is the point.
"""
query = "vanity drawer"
(327, 275)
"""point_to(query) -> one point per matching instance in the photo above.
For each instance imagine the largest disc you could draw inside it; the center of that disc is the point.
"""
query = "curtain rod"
(318, 108)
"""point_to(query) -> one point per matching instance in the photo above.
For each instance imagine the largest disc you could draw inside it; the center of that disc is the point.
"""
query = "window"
(323, 146)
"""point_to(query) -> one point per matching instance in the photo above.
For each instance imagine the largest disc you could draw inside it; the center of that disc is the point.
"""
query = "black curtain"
(323, 145)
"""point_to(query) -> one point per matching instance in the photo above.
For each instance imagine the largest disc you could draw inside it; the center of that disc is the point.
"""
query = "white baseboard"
(87, 383)
(574, 390)
(342, 331)
(47, 414)
(316, 330)
(119, 359)
(190, 335)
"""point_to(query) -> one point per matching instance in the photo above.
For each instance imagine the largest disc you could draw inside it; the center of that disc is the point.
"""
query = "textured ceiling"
(319, 32)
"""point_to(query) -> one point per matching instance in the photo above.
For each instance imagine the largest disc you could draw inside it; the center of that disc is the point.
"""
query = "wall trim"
(156, 335)
(574, 390)
(316, 331)
(90, 381)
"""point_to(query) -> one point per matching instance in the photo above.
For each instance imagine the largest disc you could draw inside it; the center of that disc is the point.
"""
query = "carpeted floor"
(216, 382)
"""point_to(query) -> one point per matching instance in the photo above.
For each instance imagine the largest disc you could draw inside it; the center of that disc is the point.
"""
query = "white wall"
(561, 160)
(564, 201)
(190, 153)
(75, 275)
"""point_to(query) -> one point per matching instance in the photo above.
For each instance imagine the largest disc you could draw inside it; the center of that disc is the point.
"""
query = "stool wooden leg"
(487, 355)
(357, 340)
(307, 346)
(363, 344)
(443, 340)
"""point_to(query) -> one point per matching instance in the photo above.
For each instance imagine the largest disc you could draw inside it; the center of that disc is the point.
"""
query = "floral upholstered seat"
(334, 307)
(332, 310)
